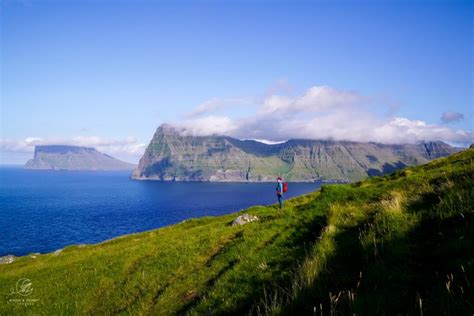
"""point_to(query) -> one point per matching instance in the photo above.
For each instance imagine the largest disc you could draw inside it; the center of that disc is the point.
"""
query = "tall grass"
(377, 255)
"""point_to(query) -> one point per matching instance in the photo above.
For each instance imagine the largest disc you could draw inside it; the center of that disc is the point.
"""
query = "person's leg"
(280, 200)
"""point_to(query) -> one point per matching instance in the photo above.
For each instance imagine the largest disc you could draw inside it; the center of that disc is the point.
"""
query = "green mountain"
(394, 245)
(64, 157)
(173, 156)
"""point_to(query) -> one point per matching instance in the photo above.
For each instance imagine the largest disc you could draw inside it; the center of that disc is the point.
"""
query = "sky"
(107, 73)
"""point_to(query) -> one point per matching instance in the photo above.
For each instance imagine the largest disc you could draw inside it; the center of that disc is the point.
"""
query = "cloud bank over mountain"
(129, 148)
(321, 112)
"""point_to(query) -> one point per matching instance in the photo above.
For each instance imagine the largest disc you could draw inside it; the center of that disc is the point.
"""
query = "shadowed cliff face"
(173, 156)
(64, 157)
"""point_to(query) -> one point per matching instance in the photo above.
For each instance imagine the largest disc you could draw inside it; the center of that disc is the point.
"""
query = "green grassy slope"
(401, 244)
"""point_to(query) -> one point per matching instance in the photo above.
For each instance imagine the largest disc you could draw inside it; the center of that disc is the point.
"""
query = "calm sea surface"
(41, 211)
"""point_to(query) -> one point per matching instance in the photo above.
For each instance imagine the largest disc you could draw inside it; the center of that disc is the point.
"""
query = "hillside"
(399, 244)
(64, 157)
(174, 156)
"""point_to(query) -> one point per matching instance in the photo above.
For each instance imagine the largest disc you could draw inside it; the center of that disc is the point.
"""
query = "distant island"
(65, 157)
(175, 156)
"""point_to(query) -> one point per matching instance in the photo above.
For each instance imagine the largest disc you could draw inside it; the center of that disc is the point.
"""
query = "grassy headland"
(399, 244)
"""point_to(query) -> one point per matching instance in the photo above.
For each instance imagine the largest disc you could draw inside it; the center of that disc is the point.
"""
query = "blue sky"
(107, 73)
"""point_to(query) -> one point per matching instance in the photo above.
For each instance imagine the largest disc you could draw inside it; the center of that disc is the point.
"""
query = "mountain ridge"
(173, 155)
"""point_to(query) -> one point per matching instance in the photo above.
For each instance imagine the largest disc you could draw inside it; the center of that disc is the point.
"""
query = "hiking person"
(279, 191)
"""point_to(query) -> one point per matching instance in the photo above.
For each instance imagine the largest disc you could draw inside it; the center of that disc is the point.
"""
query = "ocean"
(42, 211)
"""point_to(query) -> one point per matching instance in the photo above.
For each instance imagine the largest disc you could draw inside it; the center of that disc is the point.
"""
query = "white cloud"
(449, 117)
(268, 142)
(323, 112)
(128, 146)
(315, 99)
(403, 130)
(206, 107)
(275, 104)
(320, 98)
(208, 125)
(215, 104)
(10, 145)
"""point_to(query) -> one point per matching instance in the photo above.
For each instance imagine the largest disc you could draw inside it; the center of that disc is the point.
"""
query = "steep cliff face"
(62, 157)
(172, 156)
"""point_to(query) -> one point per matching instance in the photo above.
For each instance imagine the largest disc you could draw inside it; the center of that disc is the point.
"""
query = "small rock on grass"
(244, 219)
(7, 259)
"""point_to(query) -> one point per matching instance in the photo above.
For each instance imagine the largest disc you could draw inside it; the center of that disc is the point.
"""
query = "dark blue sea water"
(41, 211)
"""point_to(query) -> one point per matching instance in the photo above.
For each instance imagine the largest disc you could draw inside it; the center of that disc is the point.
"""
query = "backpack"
(285, 186)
